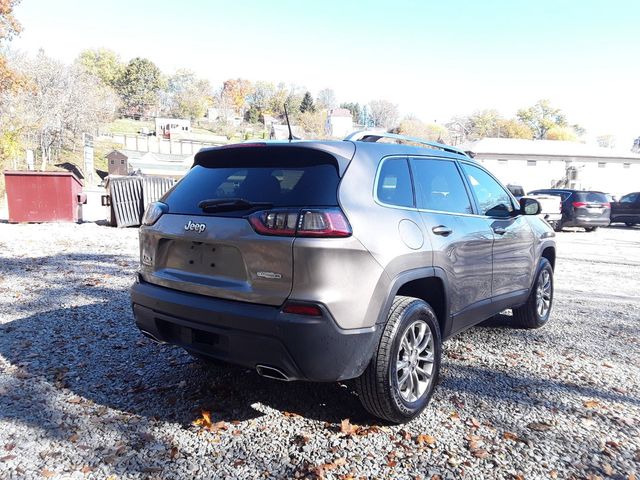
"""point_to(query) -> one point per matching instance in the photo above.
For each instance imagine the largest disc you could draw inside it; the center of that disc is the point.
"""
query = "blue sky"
(433, 58)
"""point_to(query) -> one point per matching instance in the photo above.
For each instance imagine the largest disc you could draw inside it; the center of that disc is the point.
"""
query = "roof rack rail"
(374, 136)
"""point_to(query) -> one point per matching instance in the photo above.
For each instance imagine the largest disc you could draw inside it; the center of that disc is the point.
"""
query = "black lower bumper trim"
(303, 348)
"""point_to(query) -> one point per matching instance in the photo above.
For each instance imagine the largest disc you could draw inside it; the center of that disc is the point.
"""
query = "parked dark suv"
(580, 208)
(336, 260)
(627, 210)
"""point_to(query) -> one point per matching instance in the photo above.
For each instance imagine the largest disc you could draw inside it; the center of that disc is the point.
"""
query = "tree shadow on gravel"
(96, 352)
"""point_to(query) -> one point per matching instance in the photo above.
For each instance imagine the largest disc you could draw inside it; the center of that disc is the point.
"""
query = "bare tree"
(383, 113)
(61, 103)
(326, 99)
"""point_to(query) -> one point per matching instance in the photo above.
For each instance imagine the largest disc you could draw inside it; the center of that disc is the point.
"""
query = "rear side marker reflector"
(323, 223)
(302, 309)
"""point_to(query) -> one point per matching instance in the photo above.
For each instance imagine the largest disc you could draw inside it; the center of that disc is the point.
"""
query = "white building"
(339, 123)
(552, 163)
(166, 127)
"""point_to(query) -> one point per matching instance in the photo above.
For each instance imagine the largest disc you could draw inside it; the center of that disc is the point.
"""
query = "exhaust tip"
(151, 337)
(272, 372)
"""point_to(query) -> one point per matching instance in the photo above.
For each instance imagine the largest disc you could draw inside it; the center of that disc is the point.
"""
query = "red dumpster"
(43, 196)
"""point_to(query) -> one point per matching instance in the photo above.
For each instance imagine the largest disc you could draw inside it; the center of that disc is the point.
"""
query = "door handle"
(442, 230)
(500, 230)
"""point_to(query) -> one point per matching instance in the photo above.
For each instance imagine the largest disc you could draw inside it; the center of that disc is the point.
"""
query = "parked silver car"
(334, 260)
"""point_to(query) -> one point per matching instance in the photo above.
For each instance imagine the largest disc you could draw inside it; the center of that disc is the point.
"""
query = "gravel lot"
(84, 395)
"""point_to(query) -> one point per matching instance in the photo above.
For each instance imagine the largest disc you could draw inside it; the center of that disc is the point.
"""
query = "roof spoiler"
(374, 136)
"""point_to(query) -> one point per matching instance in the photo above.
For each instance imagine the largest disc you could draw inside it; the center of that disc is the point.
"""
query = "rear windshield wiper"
(230, 204)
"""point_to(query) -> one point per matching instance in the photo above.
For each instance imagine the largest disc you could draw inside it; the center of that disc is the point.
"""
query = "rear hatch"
(205, 242)
(591, 205)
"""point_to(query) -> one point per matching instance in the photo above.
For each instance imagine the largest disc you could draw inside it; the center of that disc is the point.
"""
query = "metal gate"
(129, 196)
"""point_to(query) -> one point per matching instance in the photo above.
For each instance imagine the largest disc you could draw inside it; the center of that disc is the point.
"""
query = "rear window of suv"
(283, 177)
(591, 197)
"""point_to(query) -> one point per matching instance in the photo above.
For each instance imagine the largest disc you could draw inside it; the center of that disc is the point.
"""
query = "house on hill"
(339, 122)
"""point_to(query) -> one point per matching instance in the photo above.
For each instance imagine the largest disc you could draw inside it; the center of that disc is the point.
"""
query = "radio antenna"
(286, 115)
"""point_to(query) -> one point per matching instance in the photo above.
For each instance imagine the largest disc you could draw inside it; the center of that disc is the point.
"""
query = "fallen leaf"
(538, 426)
(301, 439)
(216, 427)
(9, 446)
(510, 436)
(290, 414)
(204, 421)
(591, 404)
(405, 434)
(6, 458)
(480, 453)
(86, 469)
(47, 473)
(74, 438)
(475, 423)
(173, 453)
(346, 428)
(239, 462)
(553, 474)
(608, 469)
(152, 469)
(425, 440)
(454, 416)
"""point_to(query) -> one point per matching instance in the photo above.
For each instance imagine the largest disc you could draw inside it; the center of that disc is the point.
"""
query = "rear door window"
(285, 179)
(394, 183)
(439, 186)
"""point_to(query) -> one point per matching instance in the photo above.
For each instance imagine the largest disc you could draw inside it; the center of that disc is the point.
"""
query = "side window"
(493, 200)
(394, 183)
(629, 198)
(439, 186)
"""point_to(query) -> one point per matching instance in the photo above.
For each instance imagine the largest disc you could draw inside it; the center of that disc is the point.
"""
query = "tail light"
(579, 204)
(606, 205)
(326, 222)
(153, 212)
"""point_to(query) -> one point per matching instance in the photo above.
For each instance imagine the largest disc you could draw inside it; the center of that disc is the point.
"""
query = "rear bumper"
(552, 217)
(304, 348)
(588, 222)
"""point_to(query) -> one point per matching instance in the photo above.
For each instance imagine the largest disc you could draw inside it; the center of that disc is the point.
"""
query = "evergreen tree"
(307, 103)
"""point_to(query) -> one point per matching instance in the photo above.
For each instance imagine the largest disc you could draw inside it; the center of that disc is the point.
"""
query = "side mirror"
(530, 206)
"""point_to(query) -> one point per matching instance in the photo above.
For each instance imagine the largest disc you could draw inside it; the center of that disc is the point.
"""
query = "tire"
(558, 226)
(528, 315)
(590, 229)
(380, 387)
(629, 224)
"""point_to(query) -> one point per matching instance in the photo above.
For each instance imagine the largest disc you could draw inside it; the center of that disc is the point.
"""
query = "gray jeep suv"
(336, 260)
